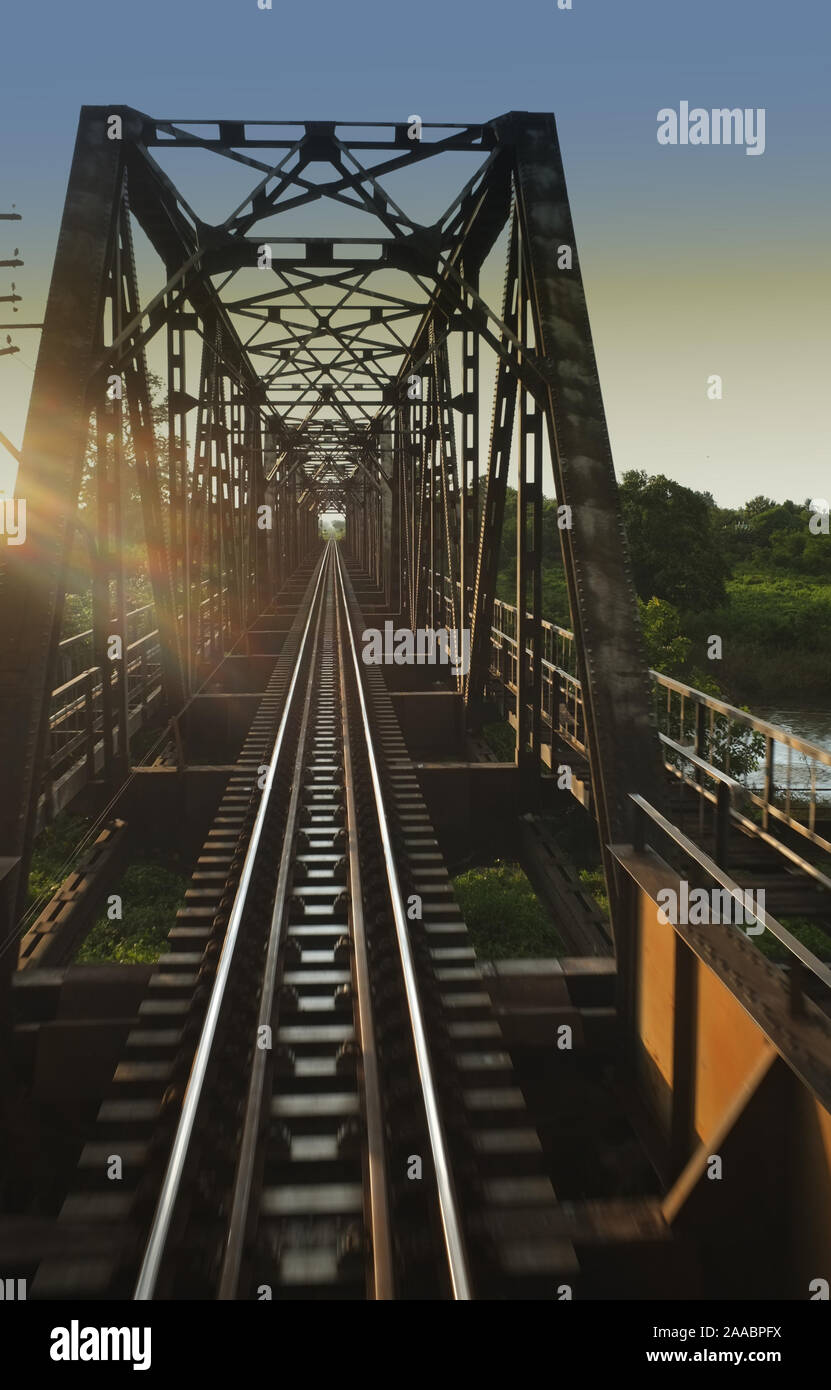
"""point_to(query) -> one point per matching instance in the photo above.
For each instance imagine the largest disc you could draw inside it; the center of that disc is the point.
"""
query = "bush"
(594, 880)
(150, 895)
(52, 855)
(805, 931)
(501, 739)
(503, 914)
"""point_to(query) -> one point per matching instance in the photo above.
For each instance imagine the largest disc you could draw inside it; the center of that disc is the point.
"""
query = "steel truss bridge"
(319, 1090)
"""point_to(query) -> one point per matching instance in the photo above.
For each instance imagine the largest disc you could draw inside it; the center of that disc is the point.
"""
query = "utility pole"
(14, 299)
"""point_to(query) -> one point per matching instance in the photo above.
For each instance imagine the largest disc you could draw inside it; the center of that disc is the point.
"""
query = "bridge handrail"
(66, 642)
(689, 756)
(88, 632)
(807, 958)
(741, 716)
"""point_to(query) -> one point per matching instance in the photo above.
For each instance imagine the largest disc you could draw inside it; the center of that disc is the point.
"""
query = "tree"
(757, 505)
(667, 649)
(674, 543)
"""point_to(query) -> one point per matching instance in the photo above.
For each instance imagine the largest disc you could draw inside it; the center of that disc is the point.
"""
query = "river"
(815, 727)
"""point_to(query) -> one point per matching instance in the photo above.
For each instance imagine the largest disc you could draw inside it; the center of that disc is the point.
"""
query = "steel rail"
(383, 1285)
(163, 1216)
(243, 1185)
(448, 1205)
(378, 1203)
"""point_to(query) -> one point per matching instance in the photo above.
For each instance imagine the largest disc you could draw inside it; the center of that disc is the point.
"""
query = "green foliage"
(52, 855)
(667, 649)
(755, 575)
(775, 537)
(150, 895)
(779, 610)
(675, 548)
(594, 880)
(806, 931)
(555, 604)
(756, 505)
(501, 739)
(746, 748)
(504, 915)
(77, 614)
(78, 606)
(777, 635)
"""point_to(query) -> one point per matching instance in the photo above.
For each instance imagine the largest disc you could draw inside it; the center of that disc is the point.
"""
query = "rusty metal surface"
(31, 576)
(624, 745)
(761, 989)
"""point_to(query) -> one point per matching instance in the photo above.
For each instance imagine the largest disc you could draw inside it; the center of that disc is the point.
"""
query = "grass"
(501, 739)
(504, 916)
(150, 896)
(594, 880)
(805, 931)
(54, 848)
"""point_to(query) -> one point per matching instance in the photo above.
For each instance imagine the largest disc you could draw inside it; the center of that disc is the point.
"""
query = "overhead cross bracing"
(307, 373)
(331, 338)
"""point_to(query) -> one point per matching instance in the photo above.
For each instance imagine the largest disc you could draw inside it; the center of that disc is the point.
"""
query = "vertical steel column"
(160, 564)
(118, 496)
(528, 553)
(523, 756)
(533, 429)
(403, 469)
(101, 586)
(449, 493)
(177, 483)
(32, 576)
(261, 579)
(439, 557)
(420, 607)
(237, 513)
(230, 605)
(469, 510)
(413, 446)
(623, 746)
(200, 510)
(212, 600)
(391, 544)
(493, 510)
(431, 495)
(108, 570)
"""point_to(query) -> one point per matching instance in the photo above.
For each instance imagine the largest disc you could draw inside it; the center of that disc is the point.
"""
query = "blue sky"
(696, 260)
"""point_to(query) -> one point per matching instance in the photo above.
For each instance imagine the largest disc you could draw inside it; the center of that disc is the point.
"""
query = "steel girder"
(623, 744)
(338, 372)
(546, 388)
(49, 478)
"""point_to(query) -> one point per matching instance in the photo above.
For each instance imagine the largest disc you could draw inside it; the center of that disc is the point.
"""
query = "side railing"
(76, 714)
(712, 989)
(749, 770)
(651, 827)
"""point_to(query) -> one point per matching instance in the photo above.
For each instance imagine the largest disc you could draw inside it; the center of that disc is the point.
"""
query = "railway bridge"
(259, 433)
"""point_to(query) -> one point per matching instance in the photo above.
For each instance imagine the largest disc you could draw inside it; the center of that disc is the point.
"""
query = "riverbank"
(776, 640)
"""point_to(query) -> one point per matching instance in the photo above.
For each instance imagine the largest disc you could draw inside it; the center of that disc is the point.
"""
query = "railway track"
(316, 1101)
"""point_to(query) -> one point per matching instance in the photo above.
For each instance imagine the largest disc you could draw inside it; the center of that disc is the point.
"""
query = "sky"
(697, 260)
